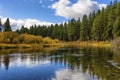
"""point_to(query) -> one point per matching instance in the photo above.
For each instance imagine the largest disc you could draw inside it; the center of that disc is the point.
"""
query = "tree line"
(6, 26)
(97, 26)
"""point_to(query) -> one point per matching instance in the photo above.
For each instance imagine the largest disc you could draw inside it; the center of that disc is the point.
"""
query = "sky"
(46, 12)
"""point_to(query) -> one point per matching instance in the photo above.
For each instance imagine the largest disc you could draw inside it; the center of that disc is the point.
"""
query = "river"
(60, 64)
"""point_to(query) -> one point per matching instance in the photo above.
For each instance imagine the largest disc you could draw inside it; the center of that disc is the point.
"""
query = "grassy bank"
(9, 46)
(34, 46)
(89, 44)
(62, 44)
(15, 40)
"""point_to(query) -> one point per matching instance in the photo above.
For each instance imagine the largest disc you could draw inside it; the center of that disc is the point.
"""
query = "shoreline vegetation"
(90, 44)
(13, 40)
(98, 29)
(61, 44)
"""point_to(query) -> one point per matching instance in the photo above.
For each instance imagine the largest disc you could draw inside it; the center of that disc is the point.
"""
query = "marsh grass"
(9, 46)
(60, 44)
(89, 44)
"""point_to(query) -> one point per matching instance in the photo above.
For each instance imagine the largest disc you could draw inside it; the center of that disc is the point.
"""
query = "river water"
(60, 64)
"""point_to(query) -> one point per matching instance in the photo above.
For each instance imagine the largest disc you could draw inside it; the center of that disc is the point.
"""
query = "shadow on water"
(61, 64)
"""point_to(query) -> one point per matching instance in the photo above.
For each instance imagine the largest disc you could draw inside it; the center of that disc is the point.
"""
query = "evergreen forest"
(103, 25)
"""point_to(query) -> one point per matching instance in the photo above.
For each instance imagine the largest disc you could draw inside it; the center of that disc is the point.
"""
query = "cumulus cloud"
(67, 9)
(16, 24)
(66, 74)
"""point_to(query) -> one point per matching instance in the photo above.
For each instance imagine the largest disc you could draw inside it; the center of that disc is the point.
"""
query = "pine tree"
(55, 32)
(99, 25)
(114, 12)
(7, 26)
(24, 30)
(65, 37)
(103, 24)
(95, 29)
(71, 29)
(116, 28)
(51, 30)
(110, 20)
(118, 9)
(84, 29)
(77, 29)
(90, 23)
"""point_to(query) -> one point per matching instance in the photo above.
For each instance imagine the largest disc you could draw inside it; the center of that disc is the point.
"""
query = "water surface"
(60, 64)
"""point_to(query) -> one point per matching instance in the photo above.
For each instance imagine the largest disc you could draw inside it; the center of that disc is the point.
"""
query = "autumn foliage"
(15, 38)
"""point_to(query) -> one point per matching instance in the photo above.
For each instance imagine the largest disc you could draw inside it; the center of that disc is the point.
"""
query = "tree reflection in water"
(79, 64)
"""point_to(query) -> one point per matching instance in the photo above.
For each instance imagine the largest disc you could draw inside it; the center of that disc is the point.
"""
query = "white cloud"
(17, 61)
(28, 63)
(67, 9)
(66, 74)
(16, 24)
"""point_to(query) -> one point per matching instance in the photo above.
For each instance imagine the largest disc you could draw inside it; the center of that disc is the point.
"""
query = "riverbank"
(62, 44)
(90, 44)
(13, 46)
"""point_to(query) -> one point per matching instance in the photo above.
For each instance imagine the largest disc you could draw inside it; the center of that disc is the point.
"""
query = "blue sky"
(53, 11)
(18, 9)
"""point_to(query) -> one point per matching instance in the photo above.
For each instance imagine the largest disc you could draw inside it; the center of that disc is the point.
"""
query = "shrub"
(13, 37)
(47, 40)
(16, 40)
(56, 40)
(22, 38)
(37, 39)
(1, 37)
(26, 38)
(9, 36)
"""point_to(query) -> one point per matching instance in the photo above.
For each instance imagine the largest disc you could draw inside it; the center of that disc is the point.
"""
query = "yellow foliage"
(12, 37)
(38, 39)
(56, 40)
(1, 37)
(26, 38)
(16, 40)
(9, 36)
(48, 40)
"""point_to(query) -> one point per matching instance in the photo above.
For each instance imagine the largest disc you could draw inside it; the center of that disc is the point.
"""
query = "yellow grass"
(7, 46)
(89, 44)
(61, 44)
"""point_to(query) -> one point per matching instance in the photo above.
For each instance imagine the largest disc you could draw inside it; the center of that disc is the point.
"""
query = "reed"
(89, 44)
(60, 44)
